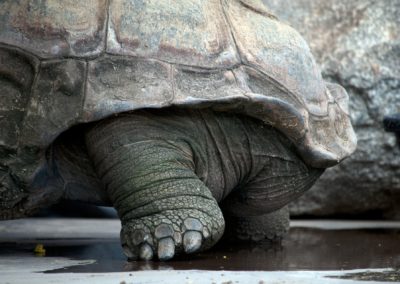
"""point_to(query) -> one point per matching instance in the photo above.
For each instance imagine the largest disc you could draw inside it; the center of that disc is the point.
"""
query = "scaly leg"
(164, 208)
(259, 210)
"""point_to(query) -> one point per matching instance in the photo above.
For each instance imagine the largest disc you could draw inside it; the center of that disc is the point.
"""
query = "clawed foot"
(164, 237)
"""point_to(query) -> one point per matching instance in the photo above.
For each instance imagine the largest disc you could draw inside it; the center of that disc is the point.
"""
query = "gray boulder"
(357, 44)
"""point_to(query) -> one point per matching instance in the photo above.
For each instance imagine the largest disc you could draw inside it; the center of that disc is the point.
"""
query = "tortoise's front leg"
(164, 208)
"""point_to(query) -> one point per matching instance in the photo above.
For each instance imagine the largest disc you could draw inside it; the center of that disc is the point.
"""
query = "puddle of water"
(302, 249)
(384, 276)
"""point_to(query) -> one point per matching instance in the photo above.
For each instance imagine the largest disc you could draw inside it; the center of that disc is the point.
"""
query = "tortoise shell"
(64, 63)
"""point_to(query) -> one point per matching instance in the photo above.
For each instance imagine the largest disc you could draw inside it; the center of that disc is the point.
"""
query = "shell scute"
(52, 29)
(191, 33)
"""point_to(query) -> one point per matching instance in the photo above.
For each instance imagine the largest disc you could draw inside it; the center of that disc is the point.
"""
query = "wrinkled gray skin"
(168, 172)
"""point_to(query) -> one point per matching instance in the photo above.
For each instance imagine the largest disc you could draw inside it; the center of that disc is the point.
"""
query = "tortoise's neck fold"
(225, 161)
(27, 185)
(28, 203)
(11, 196)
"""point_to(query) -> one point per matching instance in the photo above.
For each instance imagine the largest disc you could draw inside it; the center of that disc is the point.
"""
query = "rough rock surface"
(357, 43)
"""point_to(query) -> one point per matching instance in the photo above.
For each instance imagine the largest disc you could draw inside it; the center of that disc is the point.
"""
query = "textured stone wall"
(357, 44)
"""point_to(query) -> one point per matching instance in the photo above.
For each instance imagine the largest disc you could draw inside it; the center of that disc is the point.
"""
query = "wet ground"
(332, 252)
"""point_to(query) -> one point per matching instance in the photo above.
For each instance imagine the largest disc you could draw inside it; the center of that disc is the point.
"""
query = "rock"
(357, 44)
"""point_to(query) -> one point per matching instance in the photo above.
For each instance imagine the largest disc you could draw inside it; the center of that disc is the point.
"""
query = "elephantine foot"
(164, 207)
(172, 232)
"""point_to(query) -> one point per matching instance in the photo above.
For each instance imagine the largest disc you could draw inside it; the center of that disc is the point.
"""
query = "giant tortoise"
(177, 113)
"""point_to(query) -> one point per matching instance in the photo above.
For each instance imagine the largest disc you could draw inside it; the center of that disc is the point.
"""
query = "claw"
(166, 249)
(138, 237)
(158, 237)
(146, 252)
(163, 231)
(129, 254)
(126, 248)
(192, 241)
(193, 224)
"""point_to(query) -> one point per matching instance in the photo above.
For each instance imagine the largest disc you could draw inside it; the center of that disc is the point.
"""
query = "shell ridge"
(257, 9)
(107, 23)
(229, 25)
(195, 68)
(85, 91)
(172, 80)
(310, 147)
(278, 84)
(269, 101)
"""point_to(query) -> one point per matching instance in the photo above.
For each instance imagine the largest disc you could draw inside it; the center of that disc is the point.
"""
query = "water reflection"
(303, 249)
